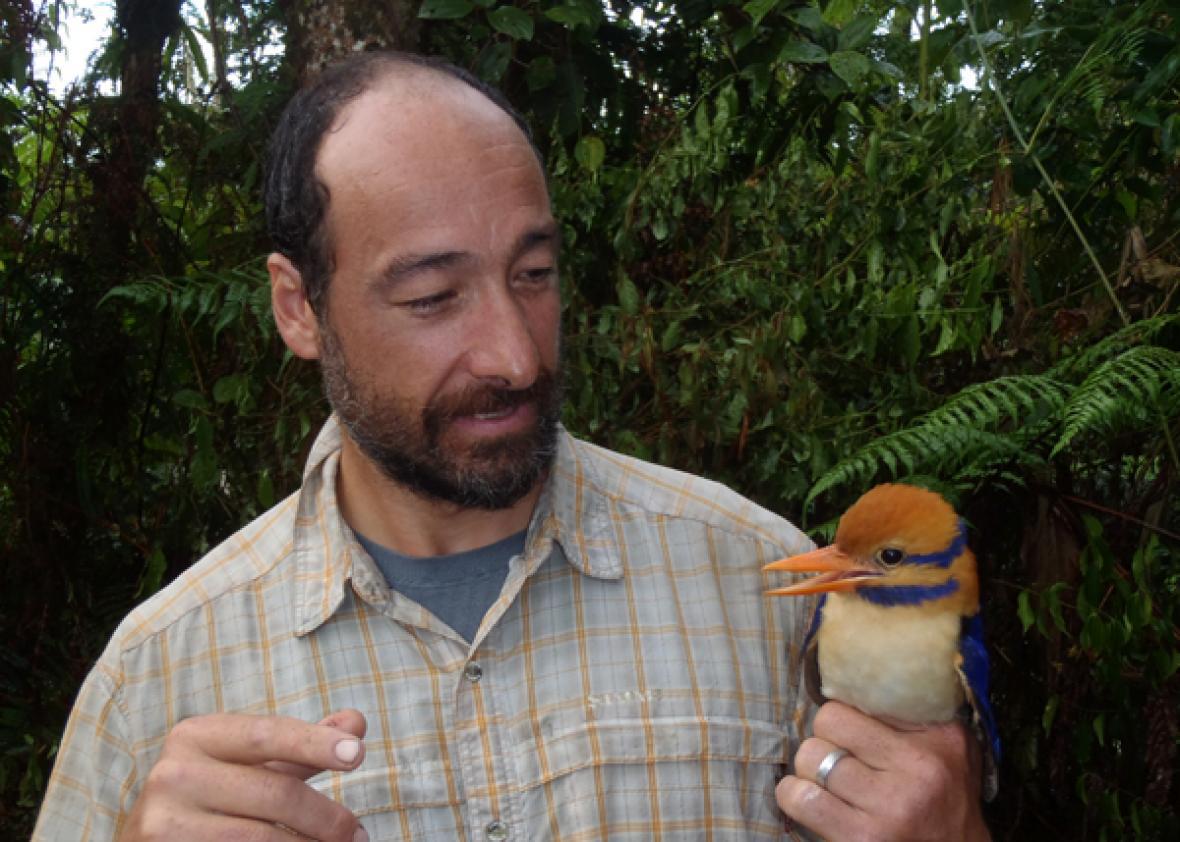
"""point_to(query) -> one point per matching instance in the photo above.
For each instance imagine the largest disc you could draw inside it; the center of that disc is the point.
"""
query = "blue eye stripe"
(907, 594)
(943, 558)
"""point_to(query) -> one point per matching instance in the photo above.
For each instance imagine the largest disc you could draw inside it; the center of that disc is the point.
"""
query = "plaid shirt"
(631, 682)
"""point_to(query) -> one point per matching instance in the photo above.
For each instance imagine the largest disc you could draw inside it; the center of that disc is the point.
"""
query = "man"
(467, 624)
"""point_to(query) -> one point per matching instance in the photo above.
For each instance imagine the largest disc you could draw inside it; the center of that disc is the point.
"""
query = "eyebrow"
(403, 268)
(544, 235)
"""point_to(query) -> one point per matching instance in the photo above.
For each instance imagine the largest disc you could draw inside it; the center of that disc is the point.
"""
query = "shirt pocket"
(612, 741)
(414, 801)
(696, 772)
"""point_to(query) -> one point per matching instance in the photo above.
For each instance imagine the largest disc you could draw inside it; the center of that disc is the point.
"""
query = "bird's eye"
(890, 556)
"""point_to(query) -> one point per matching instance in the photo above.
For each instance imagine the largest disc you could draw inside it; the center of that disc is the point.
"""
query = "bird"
(897, 630)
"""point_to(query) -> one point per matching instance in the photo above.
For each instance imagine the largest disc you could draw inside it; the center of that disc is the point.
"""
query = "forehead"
(412, 125)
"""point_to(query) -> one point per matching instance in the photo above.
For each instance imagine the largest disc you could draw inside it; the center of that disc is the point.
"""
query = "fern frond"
(223, 296)
(1120, 393)
(1132, 335)
(1093, 78)
(957, 434)
(927, 448)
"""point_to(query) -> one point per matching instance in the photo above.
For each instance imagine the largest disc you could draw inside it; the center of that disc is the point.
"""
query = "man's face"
(440, 341)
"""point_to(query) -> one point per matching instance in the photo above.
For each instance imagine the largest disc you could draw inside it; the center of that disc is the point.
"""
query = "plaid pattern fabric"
(630, 683)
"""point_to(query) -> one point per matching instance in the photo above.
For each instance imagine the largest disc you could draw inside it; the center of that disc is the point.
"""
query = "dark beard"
(408, 445)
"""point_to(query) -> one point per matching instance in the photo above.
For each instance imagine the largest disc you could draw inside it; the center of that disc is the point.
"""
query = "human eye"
(538, 276)
(428, 305)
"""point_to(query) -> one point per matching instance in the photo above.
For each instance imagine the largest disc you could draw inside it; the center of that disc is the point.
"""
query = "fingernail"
(347, 751)
(361, 835)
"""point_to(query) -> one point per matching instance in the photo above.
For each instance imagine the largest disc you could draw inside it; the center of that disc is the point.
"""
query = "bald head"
(296, 198)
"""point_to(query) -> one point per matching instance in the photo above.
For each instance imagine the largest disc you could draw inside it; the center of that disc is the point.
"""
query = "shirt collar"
(572, 512)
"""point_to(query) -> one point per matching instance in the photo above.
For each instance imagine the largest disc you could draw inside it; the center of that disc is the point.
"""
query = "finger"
(252, 792)
(347, 719)
(875, 743)
(172, 824)
(850, 780)
(253, 740)
(818, 810)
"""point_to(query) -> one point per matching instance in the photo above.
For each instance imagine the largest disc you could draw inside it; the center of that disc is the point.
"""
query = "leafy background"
(810, 246)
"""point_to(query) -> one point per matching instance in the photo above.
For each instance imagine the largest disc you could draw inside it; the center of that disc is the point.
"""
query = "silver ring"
(828, 764)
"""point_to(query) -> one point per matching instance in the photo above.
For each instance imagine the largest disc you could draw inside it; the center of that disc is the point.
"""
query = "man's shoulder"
(236, 563)
(669, 492)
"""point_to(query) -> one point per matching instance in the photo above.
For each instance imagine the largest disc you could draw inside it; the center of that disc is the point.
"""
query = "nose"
(501, 348)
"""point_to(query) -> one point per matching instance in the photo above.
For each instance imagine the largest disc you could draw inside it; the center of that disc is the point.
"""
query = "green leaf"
(541, 73)
(492, 61)
(876, 255)
(230, 388)
(628, 295)
(513, 22)
(758, 9)
(190, 399)
(997, 316)
(946, 338)
(1050, 713)
(590, 152)
(153, 573)
(195, 51)
(670, 337)
(807, 17)
(851, 67)
(857, 33)
(445, 9)
(803, 52)
(266, 490)
(575, 13)
(797, 328)
(839, 12)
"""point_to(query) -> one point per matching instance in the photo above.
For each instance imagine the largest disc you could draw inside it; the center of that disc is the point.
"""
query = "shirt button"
(496, 831)
(474, 673)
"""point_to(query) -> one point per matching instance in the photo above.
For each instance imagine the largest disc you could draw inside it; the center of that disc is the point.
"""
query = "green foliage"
(1124, 655)
(808, 246)
(1022, 421)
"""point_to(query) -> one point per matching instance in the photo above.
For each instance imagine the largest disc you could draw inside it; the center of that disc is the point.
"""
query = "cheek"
(545, 320)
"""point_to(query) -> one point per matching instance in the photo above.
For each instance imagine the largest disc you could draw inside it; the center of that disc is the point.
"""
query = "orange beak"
(838, 572)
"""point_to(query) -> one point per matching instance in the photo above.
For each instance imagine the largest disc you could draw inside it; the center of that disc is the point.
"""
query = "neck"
(411, 524)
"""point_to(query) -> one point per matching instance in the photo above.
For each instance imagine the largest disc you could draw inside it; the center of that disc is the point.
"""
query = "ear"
(294, 317)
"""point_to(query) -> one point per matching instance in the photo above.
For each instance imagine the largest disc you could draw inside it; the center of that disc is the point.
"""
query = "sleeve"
(94, 779)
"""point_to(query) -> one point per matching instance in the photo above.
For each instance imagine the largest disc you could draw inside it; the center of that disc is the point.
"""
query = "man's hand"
(233, 776)
(898, 781)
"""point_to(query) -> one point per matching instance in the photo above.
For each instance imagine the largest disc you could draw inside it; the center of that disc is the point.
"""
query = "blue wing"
(973, 672)
(815, 621)
(811, 679)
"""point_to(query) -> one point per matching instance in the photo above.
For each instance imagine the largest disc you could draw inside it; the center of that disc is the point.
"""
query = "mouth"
(837, 572)
(500, 421)
(494, 415)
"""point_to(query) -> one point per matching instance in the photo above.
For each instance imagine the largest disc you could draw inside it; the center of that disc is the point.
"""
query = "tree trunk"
(319, 31)
(127, 131)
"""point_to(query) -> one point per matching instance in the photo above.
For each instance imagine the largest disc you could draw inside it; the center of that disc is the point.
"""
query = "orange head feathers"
(897, 544)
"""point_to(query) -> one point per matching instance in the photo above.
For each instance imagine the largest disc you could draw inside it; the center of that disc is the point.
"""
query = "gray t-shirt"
(459, 588)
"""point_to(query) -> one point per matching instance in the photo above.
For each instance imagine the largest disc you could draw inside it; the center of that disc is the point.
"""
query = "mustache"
(475, 400)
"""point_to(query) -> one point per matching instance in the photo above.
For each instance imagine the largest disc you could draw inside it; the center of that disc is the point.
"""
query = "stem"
(924, 53)
(990, 74)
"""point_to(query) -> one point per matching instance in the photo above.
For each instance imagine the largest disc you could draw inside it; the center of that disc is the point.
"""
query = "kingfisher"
(897, 631)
